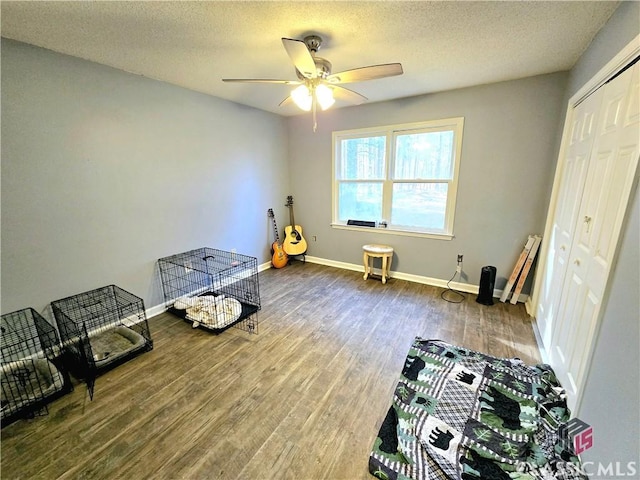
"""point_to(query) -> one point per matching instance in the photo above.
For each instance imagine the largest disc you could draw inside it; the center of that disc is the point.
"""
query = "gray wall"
(103, 172)
(612, 393)
(508, 155)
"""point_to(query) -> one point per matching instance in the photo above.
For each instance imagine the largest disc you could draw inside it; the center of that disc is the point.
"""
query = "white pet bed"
(213, 312)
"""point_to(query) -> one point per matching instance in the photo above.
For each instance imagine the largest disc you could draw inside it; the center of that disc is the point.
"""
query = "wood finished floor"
(303, 399)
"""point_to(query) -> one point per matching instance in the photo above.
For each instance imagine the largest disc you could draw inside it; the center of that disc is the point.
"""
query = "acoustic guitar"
(294, 243)
(279, 258)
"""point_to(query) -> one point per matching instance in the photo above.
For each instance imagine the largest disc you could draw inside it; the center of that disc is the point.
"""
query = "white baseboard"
(157, 310)
(264, 266)
(529, 306)
(410, 277)
(543, 351)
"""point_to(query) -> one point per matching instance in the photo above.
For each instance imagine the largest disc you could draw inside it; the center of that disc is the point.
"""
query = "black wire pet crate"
(33, 373)
(213, 289)
(101, 329)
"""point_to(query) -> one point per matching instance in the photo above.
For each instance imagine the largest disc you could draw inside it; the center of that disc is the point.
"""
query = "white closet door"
(576, 160)
(610, 177)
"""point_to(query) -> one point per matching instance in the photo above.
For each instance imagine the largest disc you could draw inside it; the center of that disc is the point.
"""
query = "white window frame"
(456, 125)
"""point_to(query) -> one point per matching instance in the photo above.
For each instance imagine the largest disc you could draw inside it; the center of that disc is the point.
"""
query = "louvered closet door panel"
(574, 172)
(610, 177)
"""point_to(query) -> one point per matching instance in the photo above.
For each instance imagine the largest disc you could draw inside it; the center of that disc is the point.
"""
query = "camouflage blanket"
(457, 414)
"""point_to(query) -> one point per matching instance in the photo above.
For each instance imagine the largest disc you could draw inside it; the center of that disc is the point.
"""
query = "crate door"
(87, 361)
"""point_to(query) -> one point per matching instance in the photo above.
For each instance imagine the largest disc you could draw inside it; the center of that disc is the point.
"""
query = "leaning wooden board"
(516, 270)
(525, 270)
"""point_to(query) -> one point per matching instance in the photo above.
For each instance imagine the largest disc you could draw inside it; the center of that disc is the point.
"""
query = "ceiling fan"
(316, 85)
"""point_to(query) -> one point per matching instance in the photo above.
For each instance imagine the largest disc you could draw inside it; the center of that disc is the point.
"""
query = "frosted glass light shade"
(325, 96)
(302, 97)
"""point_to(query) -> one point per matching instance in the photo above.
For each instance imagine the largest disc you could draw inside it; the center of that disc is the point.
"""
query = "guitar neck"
(275, 230)
(291, 219)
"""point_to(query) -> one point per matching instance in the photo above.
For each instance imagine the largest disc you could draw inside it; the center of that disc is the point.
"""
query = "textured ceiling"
(441, 45)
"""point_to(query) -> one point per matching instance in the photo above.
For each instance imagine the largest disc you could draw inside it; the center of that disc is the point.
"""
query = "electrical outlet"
(458, 269)
(460, 258)
(315, 239)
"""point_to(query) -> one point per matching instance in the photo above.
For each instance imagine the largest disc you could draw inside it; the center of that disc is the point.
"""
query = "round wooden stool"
(377, 251)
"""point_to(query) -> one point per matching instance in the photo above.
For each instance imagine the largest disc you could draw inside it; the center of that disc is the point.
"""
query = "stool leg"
(389, 264)
(365, 260)
(384, 269)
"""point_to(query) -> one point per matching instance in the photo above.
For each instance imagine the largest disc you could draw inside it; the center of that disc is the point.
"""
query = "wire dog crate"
(213, 289)
(101, 329)
(33, 373)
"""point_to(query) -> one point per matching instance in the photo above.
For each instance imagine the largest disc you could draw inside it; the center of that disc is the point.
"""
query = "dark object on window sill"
(361, 223)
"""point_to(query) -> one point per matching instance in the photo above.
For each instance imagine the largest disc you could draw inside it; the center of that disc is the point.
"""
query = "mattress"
(457, 413)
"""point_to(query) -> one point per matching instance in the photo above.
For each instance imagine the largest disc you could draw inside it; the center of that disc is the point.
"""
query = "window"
(404, 175)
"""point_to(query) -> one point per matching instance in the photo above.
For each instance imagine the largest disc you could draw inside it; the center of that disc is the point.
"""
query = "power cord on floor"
(461, 297)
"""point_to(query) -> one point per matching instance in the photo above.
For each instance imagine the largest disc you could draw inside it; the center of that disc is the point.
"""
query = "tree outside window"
(404, 175)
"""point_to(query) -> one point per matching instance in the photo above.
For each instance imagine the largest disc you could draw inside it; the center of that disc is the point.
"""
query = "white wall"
(611, 403)
(104, 172)
(508, 155)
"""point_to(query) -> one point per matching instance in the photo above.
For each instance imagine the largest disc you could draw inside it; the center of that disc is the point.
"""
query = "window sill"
(392, 231)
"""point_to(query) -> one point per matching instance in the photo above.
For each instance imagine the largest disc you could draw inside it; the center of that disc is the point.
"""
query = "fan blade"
(366, 73)
(342, 93)
(261, 80)
(286, 101)
(301, 57)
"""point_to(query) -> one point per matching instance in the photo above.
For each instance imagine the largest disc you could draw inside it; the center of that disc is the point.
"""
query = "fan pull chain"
(313, 106)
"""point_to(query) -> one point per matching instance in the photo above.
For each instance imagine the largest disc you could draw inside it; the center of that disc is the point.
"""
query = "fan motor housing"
(323, 68)
(313, 42)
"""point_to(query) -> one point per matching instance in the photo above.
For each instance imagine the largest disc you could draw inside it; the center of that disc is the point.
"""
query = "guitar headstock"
(270, 212)
(289, 201)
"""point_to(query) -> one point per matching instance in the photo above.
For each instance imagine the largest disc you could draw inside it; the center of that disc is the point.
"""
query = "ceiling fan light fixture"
(316, 84)
(324, 95)
(301, 96)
